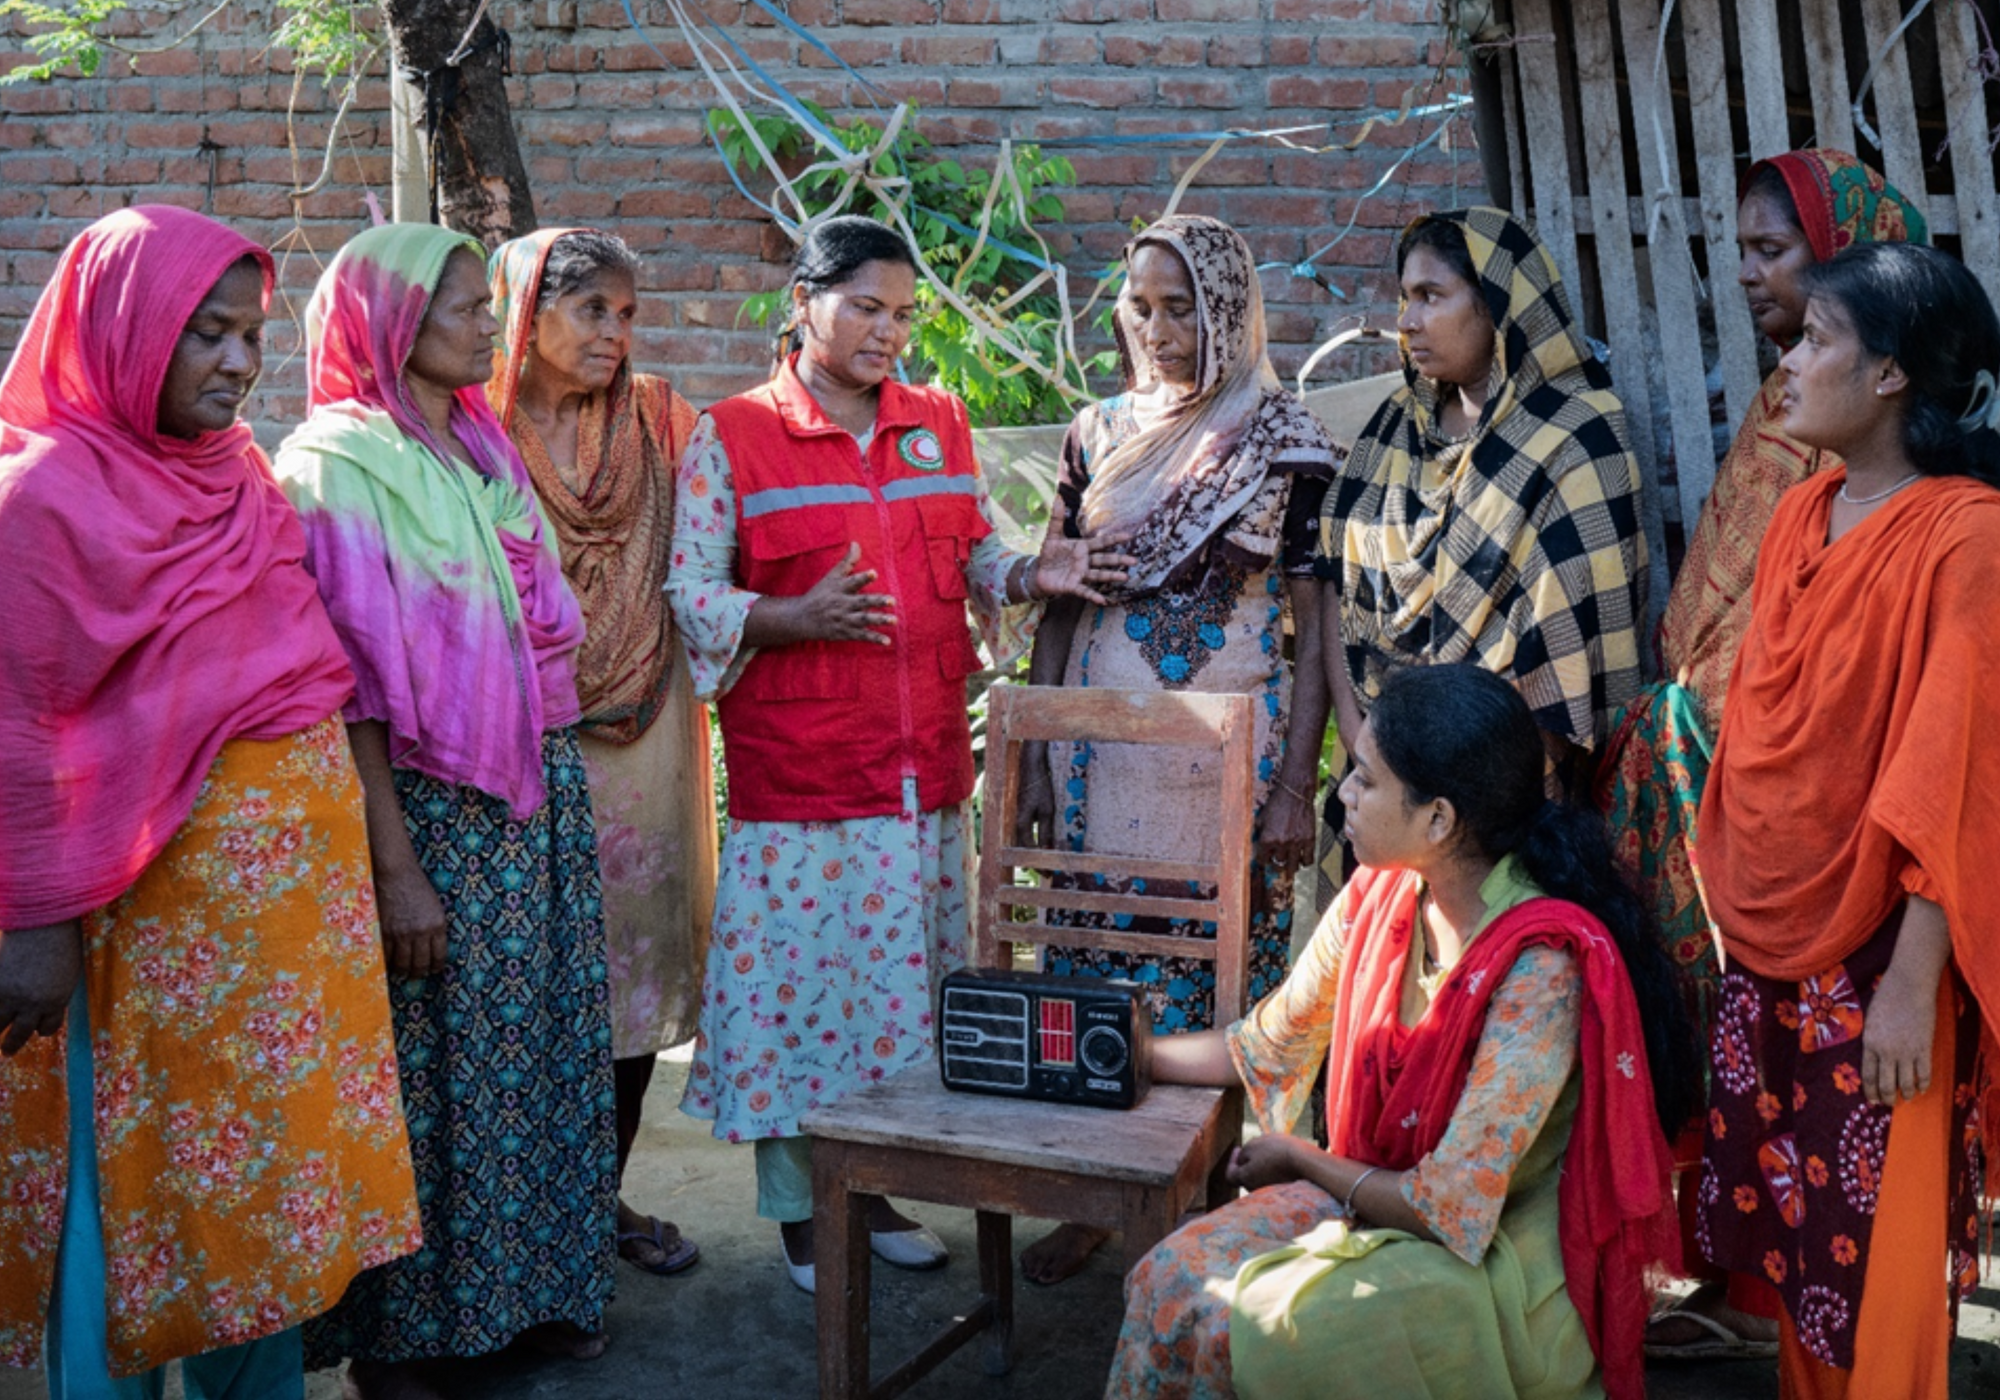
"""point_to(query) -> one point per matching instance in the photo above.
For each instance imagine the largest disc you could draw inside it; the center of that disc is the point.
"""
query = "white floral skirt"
(830, 939)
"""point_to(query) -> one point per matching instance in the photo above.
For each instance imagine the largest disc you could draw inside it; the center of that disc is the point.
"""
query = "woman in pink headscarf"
(216, 1149)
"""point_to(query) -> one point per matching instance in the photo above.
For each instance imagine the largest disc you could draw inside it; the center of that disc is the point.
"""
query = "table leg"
(841, 1276)
(996, 1281)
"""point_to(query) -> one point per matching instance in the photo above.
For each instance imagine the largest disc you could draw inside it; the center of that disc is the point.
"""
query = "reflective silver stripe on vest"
(909, 487)
(799, 497)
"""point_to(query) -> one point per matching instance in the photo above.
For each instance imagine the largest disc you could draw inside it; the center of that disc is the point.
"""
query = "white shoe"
(804, 1276)
(909, 1249)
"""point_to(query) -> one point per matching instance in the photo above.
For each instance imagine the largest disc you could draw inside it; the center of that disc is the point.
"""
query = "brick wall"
(613, 137)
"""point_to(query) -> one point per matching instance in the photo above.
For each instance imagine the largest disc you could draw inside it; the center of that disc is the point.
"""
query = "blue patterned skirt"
(506, 1067)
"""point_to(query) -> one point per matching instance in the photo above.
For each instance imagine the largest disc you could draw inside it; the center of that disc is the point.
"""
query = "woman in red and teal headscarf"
(1798, 209)
(444, 584)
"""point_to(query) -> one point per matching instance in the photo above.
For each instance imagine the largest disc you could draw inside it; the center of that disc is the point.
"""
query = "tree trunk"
(482, 183)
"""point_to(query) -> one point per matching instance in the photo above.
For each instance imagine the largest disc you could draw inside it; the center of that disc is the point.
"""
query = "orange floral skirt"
(251, 1149)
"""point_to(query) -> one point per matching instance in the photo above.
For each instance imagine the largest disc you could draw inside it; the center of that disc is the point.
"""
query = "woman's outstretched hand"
(1068, 567)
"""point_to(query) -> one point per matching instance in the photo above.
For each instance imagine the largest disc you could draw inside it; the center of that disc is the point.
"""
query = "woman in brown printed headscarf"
(601, 443)
(1217, 475)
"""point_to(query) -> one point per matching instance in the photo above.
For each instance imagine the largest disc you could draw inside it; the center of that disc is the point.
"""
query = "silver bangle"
(1347, 1205)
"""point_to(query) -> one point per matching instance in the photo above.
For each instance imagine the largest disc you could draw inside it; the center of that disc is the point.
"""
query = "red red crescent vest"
(825, 731)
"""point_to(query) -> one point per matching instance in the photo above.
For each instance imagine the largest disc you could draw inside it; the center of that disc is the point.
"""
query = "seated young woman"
(1502, 1041)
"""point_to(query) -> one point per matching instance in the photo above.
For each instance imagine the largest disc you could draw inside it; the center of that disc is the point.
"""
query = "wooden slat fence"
(1627, 127)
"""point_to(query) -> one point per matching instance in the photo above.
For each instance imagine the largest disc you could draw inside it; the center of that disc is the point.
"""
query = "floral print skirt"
(656, 842)
(830, 940)
(506, 1062)
(1793, 1165)
(251, 1153)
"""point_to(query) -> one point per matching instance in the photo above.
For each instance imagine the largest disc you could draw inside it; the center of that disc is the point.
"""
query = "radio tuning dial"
(1103, 1051)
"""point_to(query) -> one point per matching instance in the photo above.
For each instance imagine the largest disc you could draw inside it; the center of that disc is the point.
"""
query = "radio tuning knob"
(1103, 1051)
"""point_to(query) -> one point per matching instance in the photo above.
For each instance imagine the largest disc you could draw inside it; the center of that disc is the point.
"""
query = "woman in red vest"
(830, 530)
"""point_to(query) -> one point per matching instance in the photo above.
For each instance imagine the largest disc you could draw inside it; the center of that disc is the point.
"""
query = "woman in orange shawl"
(1854, 800)
(601, 443)
(1797, 210)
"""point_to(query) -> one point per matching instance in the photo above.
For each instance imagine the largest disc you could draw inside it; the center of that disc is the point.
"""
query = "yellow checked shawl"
(1517, 548)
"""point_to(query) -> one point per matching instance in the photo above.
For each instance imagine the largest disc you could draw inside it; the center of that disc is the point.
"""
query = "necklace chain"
(1879, 495)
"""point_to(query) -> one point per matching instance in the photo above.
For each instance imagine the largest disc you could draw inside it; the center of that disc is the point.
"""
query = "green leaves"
(69, 40)
(949, 350)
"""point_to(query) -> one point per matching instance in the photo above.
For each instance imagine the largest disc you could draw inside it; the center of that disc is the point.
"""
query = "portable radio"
(1028, 1035)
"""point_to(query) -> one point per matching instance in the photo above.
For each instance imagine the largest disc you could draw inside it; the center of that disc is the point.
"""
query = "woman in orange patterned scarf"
(1798, 210)
(601, 443)
(1847, 838)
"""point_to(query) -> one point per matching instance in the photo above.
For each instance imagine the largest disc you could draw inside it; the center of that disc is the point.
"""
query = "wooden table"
(1136, 1172)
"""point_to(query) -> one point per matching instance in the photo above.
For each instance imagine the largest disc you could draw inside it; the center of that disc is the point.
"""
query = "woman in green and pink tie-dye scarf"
(443, 581)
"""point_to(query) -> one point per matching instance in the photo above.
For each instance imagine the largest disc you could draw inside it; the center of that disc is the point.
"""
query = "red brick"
(1067, 48)
(33, 233)
(1087, 207)
(744, 278)
(813, 14)
(638, 91)
(20, 201)
(1322, 94)
(924, 92)
(38, 98)
(1288, 50)
(889, 12)
(1237, 51)
(676, 130)
(661, 203)
(630, 58)
(252, 201)
(172, 63)
(1277, 209)
(561, 131)
(867, 52)
(18, 170)
(996, 92)
(1340, 51)
(621, 170)
(133, 171)
(716, 238)
(577, 202)
(1218, 93)
(1101, 92)
(1150, 51)
(1125, 167)
(988, 12)
(951, 49)
(1247, 169)
(1206, 11)
(1104, 11)
(1320, 11)
(132, 97)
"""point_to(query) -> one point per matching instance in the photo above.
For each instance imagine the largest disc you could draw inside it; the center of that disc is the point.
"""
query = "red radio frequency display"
(1058, 1031)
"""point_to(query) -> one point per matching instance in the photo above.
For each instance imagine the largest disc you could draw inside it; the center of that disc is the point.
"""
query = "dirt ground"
(733, 1328)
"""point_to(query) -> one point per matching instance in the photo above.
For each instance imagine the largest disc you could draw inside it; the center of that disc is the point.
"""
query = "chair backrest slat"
(1220, 724)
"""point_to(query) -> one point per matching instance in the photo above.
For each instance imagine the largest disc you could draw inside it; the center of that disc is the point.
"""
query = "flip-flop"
(1722, 1344)
(677, 1251)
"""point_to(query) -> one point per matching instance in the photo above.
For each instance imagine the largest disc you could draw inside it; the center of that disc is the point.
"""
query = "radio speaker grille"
(986, 1037)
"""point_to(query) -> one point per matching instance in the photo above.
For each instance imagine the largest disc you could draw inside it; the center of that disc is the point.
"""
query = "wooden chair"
(1137, 1171)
